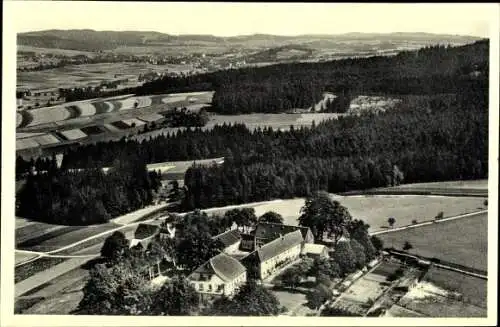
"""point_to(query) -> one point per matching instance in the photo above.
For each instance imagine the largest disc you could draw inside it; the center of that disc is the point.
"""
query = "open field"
(23, 257)
(473, 289)
(375, 210)
(27, 270)
(38, 230)
(80, 75)
(463, 241)
(45, 275)
(68, 237)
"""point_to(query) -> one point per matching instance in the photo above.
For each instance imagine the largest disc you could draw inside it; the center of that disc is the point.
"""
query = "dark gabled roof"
(146, 230)
(271, 231)
(224, 266)
(228, 238)
(279, 245)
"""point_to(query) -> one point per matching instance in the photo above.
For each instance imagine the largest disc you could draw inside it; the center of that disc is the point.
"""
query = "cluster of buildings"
(259, 254)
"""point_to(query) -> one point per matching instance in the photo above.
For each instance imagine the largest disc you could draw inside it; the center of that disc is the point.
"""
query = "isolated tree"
(271, 217)
(407, 246)
(323, 215)
(440, 215)
(391, 221)
(115, 246)
(175, 298)
(414, 221)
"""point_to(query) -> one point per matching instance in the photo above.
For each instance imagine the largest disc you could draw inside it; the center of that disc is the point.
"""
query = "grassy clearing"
(473, 289)
(34, 230)
(27, 270)
(462, 241)
(375, 210)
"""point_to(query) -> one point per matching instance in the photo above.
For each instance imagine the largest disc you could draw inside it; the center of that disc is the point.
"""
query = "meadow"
(376, 209)
(81, 75)
(462, 241)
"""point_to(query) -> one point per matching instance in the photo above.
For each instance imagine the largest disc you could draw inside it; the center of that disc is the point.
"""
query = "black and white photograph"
(306, 163)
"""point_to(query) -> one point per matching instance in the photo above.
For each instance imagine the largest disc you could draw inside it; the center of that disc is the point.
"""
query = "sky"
(226, 19)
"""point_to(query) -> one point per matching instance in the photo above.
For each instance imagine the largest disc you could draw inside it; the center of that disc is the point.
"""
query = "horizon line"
(255, 33)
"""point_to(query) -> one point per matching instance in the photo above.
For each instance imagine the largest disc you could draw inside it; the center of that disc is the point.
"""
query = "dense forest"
(277, 88)
(442, 138)
(428, 137)
(86, 197)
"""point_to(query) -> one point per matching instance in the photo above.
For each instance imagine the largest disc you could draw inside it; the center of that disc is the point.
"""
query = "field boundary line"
(429, 222)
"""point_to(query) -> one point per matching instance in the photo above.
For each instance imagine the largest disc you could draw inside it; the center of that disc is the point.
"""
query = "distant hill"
(90, 40)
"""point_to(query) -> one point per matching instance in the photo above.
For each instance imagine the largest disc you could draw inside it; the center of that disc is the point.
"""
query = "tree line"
(73, 197)
(282, 87)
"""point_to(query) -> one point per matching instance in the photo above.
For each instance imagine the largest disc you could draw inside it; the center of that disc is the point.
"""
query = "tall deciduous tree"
(324, 216)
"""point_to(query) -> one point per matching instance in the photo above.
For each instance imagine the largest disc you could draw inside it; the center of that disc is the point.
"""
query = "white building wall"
(269, 266)
(212, 286)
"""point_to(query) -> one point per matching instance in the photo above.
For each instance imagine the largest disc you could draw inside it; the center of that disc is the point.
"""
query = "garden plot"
(47, 139)
(73, 134)
(473, 289)
(27, 270)
(48, 115)
(363, 291)
(433, 301)
(133, 122)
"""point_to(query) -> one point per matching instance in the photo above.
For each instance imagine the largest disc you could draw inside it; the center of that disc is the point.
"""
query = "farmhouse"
(221, 275)
(267, 232)
(315, 250)
(230, 240)
(270, 257)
